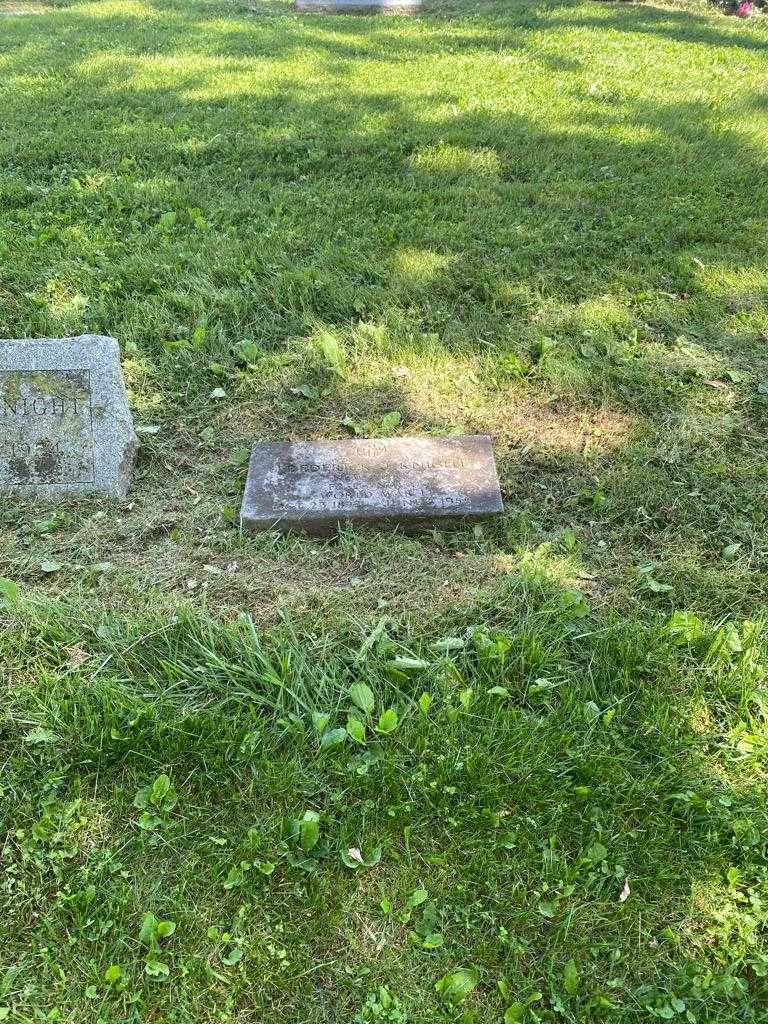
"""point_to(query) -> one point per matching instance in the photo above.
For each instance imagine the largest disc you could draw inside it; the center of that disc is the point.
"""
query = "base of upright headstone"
(358, 6)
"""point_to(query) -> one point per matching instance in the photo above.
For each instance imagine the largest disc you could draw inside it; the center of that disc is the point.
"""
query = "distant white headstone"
(359, 6)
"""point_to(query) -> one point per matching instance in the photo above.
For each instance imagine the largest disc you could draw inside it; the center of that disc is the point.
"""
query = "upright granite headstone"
(316, 485)
(65, 426)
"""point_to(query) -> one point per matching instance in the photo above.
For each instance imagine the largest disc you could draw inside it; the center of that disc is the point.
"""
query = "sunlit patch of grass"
(604, 318)
(418, 269)
(453, 162)
(120, 9)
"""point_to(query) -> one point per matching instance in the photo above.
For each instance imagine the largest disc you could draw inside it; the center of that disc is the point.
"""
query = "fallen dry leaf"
(75, 656)
(719, 384)
(624, 894)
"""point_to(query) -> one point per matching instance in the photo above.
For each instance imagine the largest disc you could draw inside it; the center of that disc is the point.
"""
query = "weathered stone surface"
(315, 485)
(64, 420)
(359, 6)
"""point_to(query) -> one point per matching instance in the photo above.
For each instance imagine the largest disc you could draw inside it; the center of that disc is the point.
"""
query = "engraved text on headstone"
(46, 428)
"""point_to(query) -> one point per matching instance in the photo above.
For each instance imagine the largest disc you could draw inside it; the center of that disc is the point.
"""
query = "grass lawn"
(512, 770)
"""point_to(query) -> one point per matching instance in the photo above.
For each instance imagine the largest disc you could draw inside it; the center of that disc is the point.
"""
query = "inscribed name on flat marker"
(316, 485)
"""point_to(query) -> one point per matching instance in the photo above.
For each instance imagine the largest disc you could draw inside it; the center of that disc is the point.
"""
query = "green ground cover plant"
(515, 772)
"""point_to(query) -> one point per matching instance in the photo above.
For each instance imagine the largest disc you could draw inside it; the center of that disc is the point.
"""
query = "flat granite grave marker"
(65, 426)
(358, 6)
(315, 485)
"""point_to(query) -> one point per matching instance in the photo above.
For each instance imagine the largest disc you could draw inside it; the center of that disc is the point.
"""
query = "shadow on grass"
(170, 188)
